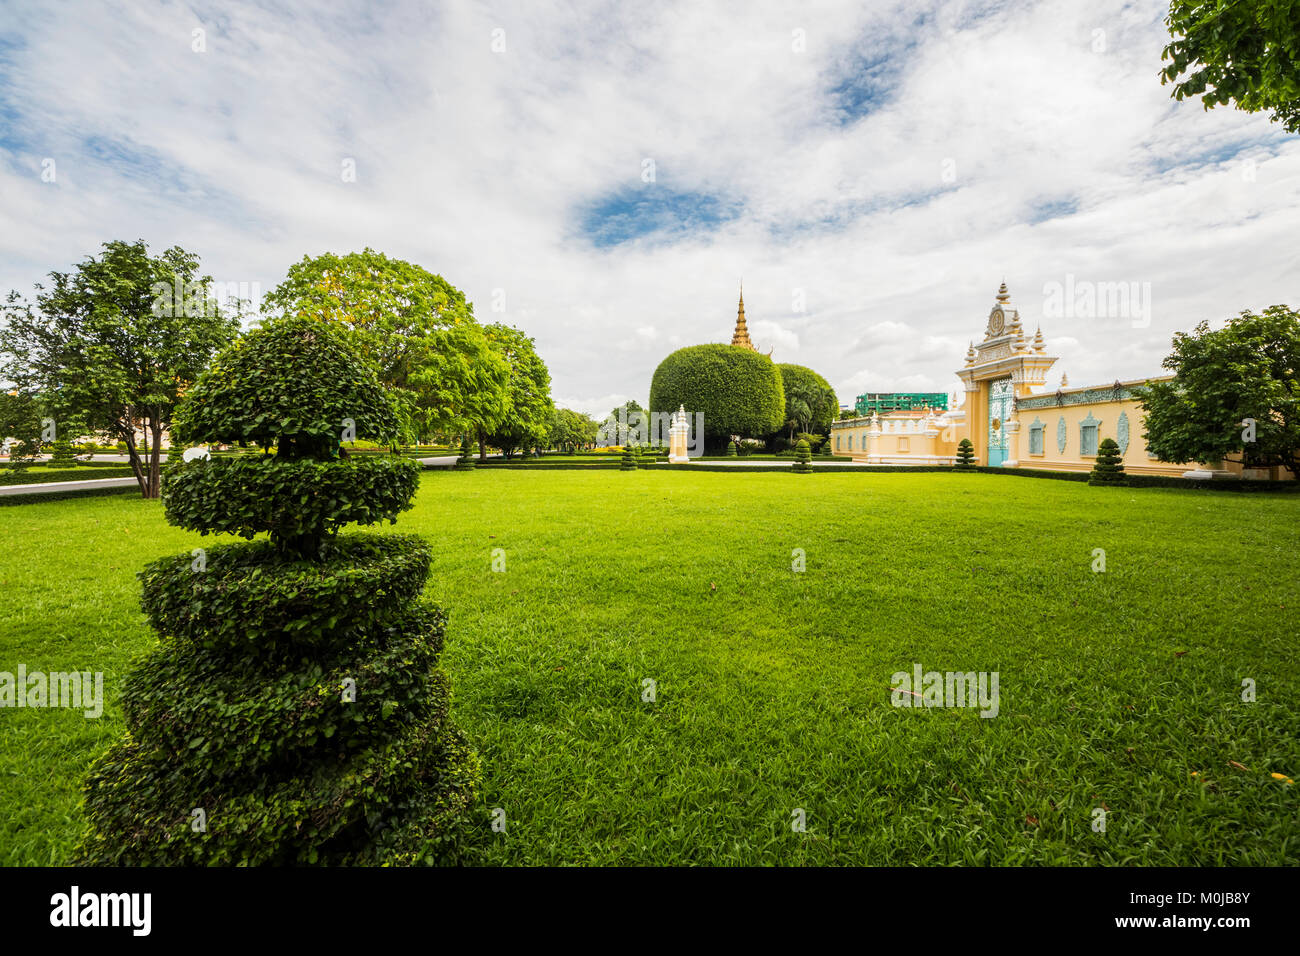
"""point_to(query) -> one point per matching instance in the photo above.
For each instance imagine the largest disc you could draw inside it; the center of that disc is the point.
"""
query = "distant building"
(883, 402)
(1011, 418)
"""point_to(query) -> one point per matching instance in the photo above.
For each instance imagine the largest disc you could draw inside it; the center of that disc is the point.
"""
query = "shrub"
(965, 455)
(802, 457)
(257, 392)
(628, 462)
(1108, 468)
(62, 456)
(294, 697)
(738, 391)
(731, 449)
(466, 460)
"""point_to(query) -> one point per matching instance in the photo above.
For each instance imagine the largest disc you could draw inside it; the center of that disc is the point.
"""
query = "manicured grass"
(1119, 689)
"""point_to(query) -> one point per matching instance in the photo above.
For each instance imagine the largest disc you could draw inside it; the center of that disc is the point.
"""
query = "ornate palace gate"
(1001, 395)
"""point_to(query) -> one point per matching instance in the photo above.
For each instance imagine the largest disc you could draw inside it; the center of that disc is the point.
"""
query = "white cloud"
(1006, 148)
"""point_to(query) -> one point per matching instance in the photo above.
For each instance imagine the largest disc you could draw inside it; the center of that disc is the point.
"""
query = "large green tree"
(20, 424)
(571, 430)
(810, 402)
(1241, 51)
(1235, 391)
(738, 391)
(460, 381)
(116, 342)
(415, 326)
(527, 420)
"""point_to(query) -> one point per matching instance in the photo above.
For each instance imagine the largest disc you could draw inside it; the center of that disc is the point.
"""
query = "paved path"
(46, 486)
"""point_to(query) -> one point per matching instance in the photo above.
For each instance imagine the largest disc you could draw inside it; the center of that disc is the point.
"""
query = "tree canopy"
(810, 402)
(20, 421)
(739, 391)
(527, 418)
(572, 430)
(115, 343)
(255, 392)
(1241, 51)
(418, 330)
(1235, 391)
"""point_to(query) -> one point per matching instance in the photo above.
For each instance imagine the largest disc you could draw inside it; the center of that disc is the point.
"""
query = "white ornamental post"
(677, 433)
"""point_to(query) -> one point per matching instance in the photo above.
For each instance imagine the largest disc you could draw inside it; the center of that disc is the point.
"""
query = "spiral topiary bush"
(466, 460)
(62, 455)
(802, 457)
(629, 460)
(965, 456)
(294, 712)
(1108, 468)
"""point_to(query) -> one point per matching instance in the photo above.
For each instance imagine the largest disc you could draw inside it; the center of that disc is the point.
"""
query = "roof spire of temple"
(1003, 295)
(741, 335)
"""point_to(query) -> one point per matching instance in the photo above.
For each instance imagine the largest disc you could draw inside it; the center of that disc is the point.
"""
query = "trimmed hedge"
(184, 696)
(294, 700)
(802, 458)
(26, 477)
(41, 497)
(254, 596)
(291, 382)
(740, 392)
(287, 497)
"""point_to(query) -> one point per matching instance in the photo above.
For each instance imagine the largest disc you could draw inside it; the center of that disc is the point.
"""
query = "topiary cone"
(466, 460)
(965, 455)
(628, 462)
(62, 455)
(293, 712)
(1108, 468)
(802, 457)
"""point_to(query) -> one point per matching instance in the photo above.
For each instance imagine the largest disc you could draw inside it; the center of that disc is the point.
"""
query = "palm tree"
(801, 404)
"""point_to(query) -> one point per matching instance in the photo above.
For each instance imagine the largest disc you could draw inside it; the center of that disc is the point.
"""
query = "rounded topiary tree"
(802, 457)
(466, 460)
(294, 711)
(826, 448)
(62, 455)
(738, 391)
(731, 449)
(1108, 469)
(628, 462)
(965, 455)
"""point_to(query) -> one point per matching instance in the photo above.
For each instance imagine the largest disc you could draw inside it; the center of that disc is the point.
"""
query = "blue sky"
(606, 173)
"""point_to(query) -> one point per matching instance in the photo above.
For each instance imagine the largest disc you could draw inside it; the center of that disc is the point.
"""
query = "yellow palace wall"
(898, 439)
(1106, 415)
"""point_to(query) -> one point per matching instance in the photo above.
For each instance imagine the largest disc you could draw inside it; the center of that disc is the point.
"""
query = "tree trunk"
(127, 430)
(155, 464)
(482, 446)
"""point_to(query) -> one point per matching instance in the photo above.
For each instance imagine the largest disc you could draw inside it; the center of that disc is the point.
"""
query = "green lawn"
(1119, 689)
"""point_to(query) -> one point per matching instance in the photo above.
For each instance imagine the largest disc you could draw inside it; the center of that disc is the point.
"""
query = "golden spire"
(741, 335)
(1003, 295)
